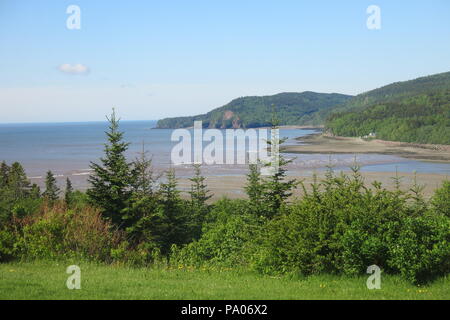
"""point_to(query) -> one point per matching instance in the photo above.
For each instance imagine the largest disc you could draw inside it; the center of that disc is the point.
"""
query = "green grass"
(47, 280)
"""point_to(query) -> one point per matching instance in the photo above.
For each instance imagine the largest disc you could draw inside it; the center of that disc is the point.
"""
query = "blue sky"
(152, 59)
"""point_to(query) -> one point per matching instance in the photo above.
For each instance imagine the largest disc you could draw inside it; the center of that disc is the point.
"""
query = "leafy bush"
(225, 238)
(6, 245)
(422, 250)
(441, 200)
(59, 233)
(343, 227)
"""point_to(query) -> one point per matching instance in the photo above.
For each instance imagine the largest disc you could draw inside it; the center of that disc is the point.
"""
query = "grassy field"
(47, 280)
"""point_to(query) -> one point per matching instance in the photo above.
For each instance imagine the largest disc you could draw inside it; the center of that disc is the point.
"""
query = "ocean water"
(68, 148)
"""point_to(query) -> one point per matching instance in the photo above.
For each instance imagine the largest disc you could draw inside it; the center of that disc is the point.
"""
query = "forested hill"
(251, 112)
(397, 92)
(413, 111)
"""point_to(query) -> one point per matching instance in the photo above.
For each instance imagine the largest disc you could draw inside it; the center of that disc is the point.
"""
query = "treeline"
(252, 112)
(420, 119)
(396, 92)
(132, 216)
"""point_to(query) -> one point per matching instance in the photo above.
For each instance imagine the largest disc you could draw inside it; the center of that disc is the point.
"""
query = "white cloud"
(73, 69)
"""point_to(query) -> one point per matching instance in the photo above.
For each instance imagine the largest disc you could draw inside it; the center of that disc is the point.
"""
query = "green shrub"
(441, 199)
(58, 232)
(341, 227)
(43, 239)
(225, 237)
(422, 250)
(7, 241)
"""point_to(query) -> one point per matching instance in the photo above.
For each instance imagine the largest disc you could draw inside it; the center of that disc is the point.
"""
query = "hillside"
(251, 112)
(421, 119)
(397, 91)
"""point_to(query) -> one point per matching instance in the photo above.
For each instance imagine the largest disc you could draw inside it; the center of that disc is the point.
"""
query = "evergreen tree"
(51, 193)
(18, 182)
(254, 187)
(144, 179)
(199, 196)
(142, 218)
(441, 199)
(68, 193)
(170, 193)
(111, 181)
(4, 172)
(174, 222)
(35, 192)
(199, 191)
(276, 188)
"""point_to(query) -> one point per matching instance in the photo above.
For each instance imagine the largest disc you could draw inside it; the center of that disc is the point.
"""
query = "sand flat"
(318, 143)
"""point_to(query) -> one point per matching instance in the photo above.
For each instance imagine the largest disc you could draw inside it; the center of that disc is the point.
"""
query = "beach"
(319, 143)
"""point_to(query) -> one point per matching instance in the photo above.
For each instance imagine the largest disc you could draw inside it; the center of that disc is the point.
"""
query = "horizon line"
(73, 122)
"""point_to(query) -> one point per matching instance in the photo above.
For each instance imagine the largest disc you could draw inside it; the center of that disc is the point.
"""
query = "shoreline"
(322, 144)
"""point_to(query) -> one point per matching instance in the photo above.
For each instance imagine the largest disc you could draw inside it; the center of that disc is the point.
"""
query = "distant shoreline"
(323, 144)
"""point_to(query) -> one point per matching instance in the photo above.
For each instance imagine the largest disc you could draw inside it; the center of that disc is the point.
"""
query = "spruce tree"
(4, 172)
(18, 182)
(51, 193)
(111, 180)
(68, 193)
(254, 187)
(276, 188)
(169, 192)
(141, 218)
(199, 191)
(199, 196)
(144, 179)
(174, 222)
(35, 192)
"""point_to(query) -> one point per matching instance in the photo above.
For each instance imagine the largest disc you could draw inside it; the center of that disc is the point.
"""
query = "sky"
(155, 59)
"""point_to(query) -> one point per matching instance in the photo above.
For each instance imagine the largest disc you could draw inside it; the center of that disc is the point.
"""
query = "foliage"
(423, 118)
(174, 216)
(110, 181)
(18, 197)
(422, 250)
(57, 232)
(441, 199)
(255, 188)
(396, 92)
(343, 227)
(7, 240)
(230, 227)
(199, 196)
(68, 193)
(51, 193)
(270, 193)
